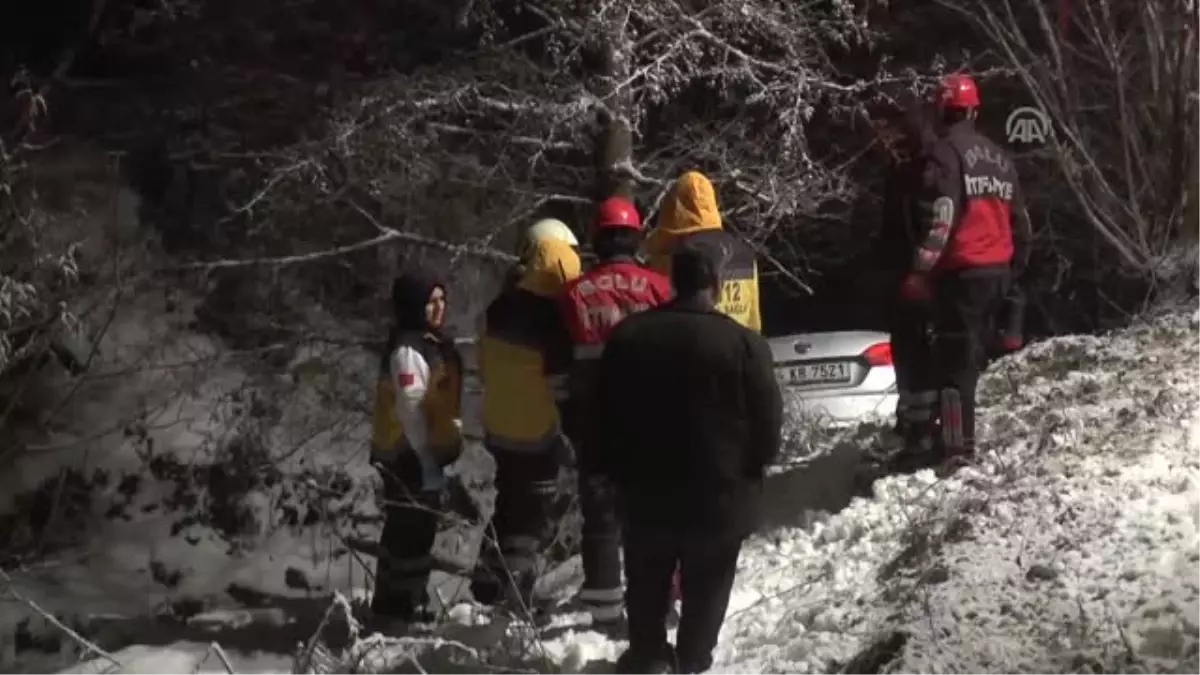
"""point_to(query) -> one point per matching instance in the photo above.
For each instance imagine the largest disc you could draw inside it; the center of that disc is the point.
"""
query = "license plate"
(811, 374)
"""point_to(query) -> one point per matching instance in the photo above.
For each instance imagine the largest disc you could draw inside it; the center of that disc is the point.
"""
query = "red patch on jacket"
(406, 379)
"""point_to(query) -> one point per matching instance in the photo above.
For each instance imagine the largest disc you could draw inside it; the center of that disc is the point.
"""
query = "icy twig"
(215, 648)
(315, 638)
(88, 645)
(304, 659)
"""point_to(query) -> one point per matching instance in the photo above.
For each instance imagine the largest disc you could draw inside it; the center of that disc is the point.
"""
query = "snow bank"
(1078, 550)
(1071, 546)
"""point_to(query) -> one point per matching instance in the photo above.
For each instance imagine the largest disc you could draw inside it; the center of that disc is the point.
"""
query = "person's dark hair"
(955, 115)
(616, 241)
(918, 127)
(696, 267)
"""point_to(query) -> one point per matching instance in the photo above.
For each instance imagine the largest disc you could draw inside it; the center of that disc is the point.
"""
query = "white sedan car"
(840, 376)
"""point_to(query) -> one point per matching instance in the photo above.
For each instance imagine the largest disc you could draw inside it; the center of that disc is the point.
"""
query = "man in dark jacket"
(692, 416)
(975, 242)
(907, 145)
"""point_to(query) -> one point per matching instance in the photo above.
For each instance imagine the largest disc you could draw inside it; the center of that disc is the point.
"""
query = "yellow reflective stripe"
(525, 445)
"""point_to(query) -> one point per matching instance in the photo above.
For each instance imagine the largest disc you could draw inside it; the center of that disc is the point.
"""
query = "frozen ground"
(1072, 546)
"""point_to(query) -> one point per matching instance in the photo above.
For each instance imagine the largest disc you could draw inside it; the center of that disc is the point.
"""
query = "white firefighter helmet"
(549, 228)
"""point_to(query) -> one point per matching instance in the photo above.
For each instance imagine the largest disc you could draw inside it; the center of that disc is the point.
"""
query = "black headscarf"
(410, 294)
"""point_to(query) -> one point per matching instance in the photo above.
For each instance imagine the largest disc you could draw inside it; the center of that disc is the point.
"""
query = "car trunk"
(821, 362)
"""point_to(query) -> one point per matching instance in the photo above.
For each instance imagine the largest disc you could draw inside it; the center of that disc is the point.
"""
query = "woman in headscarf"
(415, 436)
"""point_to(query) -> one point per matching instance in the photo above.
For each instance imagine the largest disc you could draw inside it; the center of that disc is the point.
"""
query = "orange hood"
(691, 207)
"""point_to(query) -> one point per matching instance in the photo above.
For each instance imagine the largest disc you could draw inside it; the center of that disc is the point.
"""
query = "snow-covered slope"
(1072, 545)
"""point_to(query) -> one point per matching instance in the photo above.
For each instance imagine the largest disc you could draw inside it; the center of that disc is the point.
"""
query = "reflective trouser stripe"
(606, 612)
(952, 430)
(604, 604)
(558, 386)
(516, 554)
(543, 488)
(920, 406)
(602, 596)
(588, 352)
(519, 553)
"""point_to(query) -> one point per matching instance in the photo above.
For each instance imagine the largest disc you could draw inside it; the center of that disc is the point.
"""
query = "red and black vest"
(982, 236)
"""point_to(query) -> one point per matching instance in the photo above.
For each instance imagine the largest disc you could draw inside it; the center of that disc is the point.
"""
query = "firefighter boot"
(955, 449)
(918, 451)
(663, 662)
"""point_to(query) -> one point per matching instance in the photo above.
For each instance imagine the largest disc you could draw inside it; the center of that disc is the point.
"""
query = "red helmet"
(958, 91)
(617, 212)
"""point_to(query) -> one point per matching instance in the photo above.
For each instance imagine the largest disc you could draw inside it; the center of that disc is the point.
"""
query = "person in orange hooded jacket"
(691, 213)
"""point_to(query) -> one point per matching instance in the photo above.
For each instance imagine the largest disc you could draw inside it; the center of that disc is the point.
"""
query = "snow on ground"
(1069, 548)
(1073, 544)
(182, 657)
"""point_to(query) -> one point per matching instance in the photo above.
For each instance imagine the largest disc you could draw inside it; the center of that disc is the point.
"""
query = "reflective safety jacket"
(596, 302)
(691, 213)
(419, 392)
(592, 306)
(525, 354)
(977, 217)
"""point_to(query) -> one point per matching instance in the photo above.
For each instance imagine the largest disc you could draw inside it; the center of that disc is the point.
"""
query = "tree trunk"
(614, 136)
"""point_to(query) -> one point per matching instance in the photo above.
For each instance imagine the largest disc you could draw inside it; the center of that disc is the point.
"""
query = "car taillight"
(879, 354)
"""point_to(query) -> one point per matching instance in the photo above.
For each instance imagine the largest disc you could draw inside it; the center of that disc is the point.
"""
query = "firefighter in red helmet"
(593, 304)
(973, 244)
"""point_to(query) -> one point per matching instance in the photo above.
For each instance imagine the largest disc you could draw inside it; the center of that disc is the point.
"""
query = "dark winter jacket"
(897, 240)
(525, 353)
(902, 190)
(692, 416)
